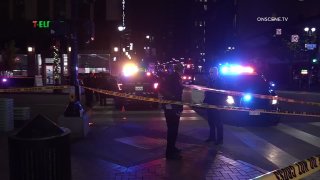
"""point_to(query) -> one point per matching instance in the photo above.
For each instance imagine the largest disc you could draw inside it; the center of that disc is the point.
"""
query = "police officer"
(171, 89)
(88, 82)
(214, 118)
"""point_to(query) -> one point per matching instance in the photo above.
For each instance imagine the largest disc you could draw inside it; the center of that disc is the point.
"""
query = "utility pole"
(74, 108)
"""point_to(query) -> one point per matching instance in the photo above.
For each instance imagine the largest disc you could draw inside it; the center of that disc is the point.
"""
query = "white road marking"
(271, 152)
(306, 137)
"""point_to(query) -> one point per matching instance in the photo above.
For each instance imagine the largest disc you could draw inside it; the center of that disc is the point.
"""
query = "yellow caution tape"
(236, 93)
(130, 96)
(32, 89)
(228, 108)
(297, 170)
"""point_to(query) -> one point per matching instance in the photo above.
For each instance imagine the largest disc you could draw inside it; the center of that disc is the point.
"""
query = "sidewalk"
(191, 167)
(118, 151)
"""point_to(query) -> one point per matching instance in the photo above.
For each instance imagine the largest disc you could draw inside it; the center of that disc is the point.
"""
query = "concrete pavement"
(115, 149)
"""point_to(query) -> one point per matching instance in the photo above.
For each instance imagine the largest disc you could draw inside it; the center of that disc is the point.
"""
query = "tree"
(8, 63)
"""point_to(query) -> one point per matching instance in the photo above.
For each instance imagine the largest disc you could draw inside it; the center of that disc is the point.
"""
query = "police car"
(136, 82)
(244, 89)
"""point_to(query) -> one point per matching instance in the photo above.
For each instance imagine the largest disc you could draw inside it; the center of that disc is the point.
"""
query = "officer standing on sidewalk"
(171, 89)
(214, 118)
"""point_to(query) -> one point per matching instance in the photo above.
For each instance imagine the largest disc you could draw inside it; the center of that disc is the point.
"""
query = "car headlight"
(130, 69)
(155, 85)
(274, 101)
(230, 100)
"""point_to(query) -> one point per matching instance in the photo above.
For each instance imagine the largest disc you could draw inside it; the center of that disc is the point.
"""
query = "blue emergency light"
(247, 97)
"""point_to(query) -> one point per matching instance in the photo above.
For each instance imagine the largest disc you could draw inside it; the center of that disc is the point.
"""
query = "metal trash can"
(6, 114)
(40, 151)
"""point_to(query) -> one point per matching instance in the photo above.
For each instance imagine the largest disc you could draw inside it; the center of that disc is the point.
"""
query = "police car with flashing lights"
(244, 79)
(135, 82)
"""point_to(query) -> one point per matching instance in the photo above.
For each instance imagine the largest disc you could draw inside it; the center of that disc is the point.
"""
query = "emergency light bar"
(236, 70)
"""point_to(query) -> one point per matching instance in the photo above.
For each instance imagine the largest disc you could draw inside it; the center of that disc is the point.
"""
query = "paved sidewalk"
(112, 152)
(216, 167)
(101, 156)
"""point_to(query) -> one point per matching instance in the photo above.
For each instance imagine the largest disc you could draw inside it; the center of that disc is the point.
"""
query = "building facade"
(41, 31)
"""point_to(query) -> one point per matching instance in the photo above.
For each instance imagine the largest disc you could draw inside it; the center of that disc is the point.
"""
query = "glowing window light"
(129, 69)
(30, 49)
(304, 71)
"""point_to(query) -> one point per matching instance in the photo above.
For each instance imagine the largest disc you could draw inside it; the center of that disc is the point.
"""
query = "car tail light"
(155, 85)
(119, 86)
(184, 77)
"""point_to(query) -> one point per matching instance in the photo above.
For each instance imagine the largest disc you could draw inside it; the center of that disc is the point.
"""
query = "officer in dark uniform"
(88, 82)
(103, 84)
(171, 89)
(214, 118)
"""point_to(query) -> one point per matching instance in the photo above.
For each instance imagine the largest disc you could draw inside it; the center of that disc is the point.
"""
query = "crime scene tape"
(32, 89)
(203, 105)
(236, 93)
(297, 170)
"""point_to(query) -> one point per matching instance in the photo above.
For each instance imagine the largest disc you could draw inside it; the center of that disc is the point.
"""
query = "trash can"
(40, 151)
(6, 114)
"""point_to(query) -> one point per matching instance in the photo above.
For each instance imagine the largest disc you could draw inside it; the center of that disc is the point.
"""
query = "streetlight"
(30, 49)
(121, 28)
(309, 30)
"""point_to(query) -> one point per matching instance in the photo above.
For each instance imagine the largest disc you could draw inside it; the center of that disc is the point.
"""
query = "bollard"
(40, 151)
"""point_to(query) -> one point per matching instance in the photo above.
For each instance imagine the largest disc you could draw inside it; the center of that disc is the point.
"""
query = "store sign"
(41, 24)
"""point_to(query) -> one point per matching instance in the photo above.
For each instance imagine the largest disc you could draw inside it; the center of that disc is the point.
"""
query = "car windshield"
(245, 83)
